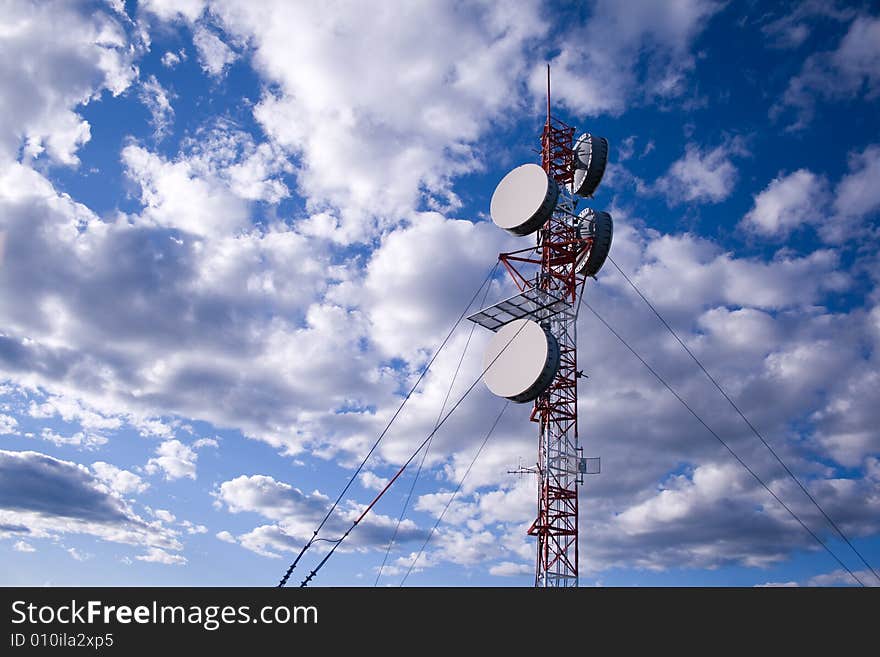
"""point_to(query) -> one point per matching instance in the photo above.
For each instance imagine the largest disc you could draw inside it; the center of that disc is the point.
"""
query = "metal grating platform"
(535, 304)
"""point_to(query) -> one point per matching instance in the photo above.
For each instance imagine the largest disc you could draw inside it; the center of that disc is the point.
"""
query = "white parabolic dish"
(524, 200)
(525, 357)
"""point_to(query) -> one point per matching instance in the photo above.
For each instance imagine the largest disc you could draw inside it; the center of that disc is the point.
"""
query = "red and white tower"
(571, 247)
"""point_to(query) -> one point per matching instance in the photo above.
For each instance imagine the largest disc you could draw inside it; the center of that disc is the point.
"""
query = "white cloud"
(434, 259)
(775, 585)
(845, 422)
(226, 537)
(214, 55)
(510, 569)
(171, 59)
(95, 301)
(794, 26)
(371, 481)
(164, 515)
(81, 439)
(857, 195)
(158, 102)
(803, 198)
(841, 577)
(175, 459)
(206, 189)
(47, 497)
(626, 149)
(701, 175)
(188, 10)
(53, 59)
(174, 196)
(760, 323)
(116, 323)
(296, 514)
(21, 546)
(690, 273)
(79, 556)
(722, 501)
(73, 410)
(8, 424)
(849, 71)
(251, 171)
(192, 528)
(787, 202)
(364, 154)
(597, 68)
(149, 428)
(119, 480)
(205, 442)
(158, 555)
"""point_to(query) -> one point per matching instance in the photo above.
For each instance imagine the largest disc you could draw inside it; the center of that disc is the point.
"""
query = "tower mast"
(540, 366)
(555, 411)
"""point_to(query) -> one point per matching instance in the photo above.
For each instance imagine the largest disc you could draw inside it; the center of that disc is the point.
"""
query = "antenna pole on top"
(548, 94)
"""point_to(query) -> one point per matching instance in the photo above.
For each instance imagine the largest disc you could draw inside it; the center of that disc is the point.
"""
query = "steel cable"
(454, 493)
(329, 513)
(428, 447)
(746, 420)
(722, 441)
(411, 458)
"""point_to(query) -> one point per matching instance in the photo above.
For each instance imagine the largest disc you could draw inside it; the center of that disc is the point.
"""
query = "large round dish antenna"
(521, 360)
(590, 158)
(600, 227)
(524, 200)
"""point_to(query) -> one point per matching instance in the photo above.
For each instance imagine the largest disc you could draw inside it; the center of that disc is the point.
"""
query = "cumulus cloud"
(434, 259)
(849, 71)
(119, 480)
(8, 424)
(173, 196)
(174, 9)
(158, 555)
(297, 514)
(600, 66)
(372, 481)
(210, 302)
(46, 497)
(701, 175)
(164, 515)
(510, 569)
(171, 59)
(78, 555)
(803, 198)
(22, 546)
(54, 60)
(214, 55)
(766, 339)
(796, 22)
(842, 578)
(787, 202)
(158, 101)
(175, 459)
(193, 528)
(225, 536)
(80, 439)
(454, 63)
(857, 195)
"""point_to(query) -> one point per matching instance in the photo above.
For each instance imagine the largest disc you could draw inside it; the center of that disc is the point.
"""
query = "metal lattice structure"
(549, 276)
(555, 411)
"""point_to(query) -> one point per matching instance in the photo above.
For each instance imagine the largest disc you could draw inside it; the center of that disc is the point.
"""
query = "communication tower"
(533, 355)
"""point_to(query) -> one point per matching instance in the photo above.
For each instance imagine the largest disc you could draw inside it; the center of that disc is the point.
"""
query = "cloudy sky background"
(231, 235)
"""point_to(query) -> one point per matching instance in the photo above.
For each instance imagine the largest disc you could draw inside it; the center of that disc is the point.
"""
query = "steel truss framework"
(555, 411)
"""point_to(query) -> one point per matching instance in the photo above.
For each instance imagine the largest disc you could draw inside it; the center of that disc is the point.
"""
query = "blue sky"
(232, 234)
